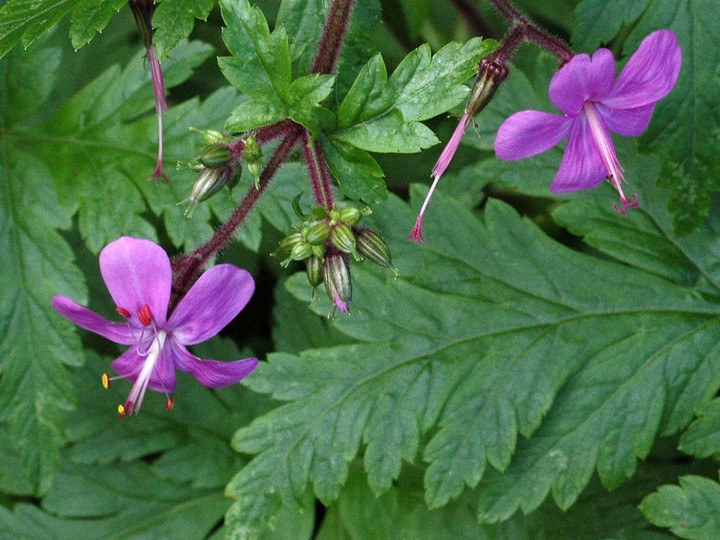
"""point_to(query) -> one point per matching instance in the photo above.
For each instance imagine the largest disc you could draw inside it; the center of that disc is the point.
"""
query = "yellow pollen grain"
(105, 381)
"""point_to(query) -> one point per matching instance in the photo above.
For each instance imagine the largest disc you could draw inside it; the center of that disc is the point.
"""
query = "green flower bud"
(350, 215)
(336, 274)
(490, 76)
(371, 245)
(317, 233)
(208, 183)
(300, 251)
(318, 250)
(214, 156)
(343, 238)
(212, 136)
(289, 242)
(313, 268)
(252, 151)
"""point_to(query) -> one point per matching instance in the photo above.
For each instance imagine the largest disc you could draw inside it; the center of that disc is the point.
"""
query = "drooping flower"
(143, 11)
(489, 78)
(139, 277)
(595, 103)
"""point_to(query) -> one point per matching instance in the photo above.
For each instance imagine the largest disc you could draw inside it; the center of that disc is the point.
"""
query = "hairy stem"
(333, 35)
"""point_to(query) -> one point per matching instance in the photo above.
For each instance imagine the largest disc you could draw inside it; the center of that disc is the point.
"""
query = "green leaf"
(173, 21)
(260, 63)
(90, 17)
(599, 22)
(99, 129)
(702, 437)
(36, 344)
(119, 500)
(492, 330)
(30, 19)
(356, 172)
(383, 115)
(690, 510)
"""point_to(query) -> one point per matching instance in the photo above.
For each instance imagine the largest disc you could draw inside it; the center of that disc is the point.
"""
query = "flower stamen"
(123, 312)
(145, 315)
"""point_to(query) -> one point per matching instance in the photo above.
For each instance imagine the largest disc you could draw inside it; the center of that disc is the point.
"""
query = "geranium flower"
(595, 104)
(139, 277)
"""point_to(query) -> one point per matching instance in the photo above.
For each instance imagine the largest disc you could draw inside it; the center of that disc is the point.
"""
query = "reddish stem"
(333, 35)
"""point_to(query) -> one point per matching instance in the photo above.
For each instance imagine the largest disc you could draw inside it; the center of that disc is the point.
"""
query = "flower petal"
(650, 73)
(581, 166)
(212, 373)
(137, 272)
(129, 364)
(582, 79)
(213, 301)
(627, 122)
(527, 133)
(89, 320)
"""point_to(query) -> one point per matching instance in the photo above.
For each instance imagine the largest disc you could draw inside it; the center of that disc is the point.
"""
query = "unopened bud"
(350, 215)
(317, 233)
(371, 245)
(214, 156)
(343, 238)
(210, 181)
(300, 251)
(289, 242)
(336, 274)
(252, 154)
(313, 268)
(490, 76)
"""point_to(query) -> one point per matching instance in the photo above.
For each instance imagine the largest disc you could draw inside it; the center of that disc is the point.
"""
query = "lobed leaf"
(173, 21)
(690, 510)
(90, 17)
(492, 331)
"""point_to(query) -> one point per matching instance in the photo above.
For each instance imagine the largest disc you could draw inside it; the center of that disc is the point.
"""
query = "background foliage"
(541, 367)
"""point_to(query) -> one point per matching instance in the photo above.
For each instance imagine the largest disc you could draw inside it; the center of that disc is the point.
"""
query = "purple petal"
(527, 133)
(627, 122)
(581, 166)
(213, 301)
(212, 373)
(129, 364)
(137, 272)
(650, 73)
(582, 79)
(89, 320)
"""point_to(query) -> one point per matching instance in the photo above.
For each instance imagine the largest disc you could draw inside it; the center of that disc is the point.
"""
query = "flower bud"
(252, 154)
(350, 215)
(343, 238)
(214, 156)
(490, 76)
(336, 274)
(317, 233)
(314, 270)
(289, 242)
(371, 245)
(300, 251)
(210, 181)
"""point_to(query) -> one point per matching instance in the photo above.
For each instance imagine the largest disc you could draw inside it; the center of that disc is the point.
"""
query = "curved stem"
(333, 35)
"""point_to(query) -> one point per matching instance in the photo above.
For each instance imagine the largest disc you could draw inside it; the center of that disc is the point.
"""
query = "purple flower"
(595, 104)
(139, 277)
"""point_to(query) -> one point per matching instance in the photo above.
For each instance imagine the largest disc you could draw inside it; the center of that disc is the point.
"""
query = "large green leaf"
(35, 344)
(173, 20)
(493, 330)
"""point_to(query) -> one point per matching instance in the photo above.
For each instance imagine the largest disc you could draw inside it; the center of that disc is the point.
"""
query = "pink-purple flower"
(595, 103)
(138, 275)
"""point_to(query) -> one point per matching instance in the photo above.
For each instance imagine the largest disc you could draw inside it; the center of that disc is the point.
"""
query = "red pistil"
(145, 315)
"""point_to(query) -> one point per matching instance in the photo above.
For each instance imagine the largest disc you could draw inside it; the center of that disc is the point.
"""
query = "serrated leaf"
(690, 510)
(29, 19)
(492, 330)
(35, 345)
(173, 21)
(383, 115)
(90, 17)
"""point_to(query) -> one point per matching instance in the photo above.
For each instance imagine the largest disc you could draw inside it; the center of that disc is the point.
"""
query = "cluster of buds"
(326, 240)
(219, 166)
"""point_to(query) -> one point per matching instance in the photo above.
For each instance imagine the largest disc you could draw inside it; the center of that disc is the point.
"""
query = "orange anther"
(145, 315)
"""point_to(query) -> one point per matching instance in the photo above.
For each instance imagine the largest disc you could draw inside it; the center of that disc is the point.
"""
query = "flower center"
(137, 394)
(608, 156)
